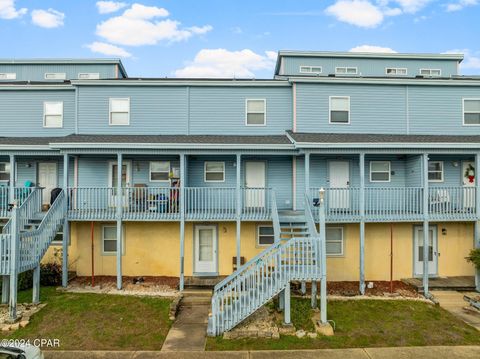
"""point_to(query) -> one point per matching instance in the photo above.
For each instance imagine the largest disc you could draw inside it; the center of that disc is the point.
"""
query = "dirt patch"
(128, 282)
(380, 288)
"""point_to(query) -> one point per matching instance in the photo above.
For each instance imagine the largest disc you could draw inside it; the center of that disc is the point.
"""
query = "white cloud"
(107, 7)
(372, 48)
(222, 63)
(412, 6)
(8, 10)
(108, 49)
(459, 5)
(471, 58)
(139, 25)
(356, 12)
(48, 18)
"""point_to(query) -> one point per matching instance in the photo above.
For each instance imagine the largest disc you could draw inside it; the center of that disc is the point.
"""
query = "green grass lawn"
(367, 323)
(98, 321)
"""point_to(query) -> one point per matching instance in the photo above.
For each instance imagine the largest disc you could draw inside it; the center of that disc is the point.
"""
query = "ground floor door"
(255, 180)
(339, 179)
(47, 179)
(205, 249)
(432, 251)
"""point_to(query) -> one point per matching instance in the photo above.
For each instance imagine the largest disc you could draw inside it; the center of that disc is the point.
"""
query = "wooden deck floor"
(460, 283)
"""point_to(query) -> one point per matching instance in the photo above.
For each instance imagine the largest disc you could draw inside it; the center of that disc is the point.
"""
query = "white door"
(255, 183)
(47, 178)
(468, 175)
(339, 179)
(432, 250)
(205, 249)
(113, 180)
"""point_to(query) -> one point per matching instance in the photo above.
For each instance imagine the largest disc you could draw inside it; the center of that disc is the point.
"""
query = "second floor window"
(471, 111)
(340, 109)
(256, 113)
(119, 111)
(159, 171)
(380, 171)
(53, 114)
(4, 171)
(435, 171)
(214, 171)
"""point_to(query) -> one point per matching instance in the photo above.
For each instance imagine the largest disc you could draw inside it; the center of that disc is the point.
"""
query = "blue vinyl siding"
(222, 110)
(367, 67)
(153, 110)
(452, 176)
(33, 72)
(21, 112)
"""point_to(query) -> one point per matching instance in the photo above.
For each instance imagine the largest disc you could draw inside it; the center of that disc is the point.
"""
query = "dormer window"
(8, 76)
(431, 72)
(89, 76)
(395, 71)
(55, 76)
(346, 70)
(311, 70)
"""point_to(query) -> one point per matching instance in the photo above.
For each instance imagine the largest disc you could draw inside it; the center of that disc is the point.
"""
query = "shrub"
(50, 275)
(474, 257)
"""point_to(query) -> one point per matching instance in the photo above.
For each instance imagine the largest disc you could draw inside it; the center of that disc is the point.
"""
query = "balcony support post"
(238, 209)
(362, 223)
(303, 288)
(14, 264)
(314, 294)
(426, 234)
(477, 213)
(182, 221)
(66, 229)
(119, 219)
(11, 194)
(5, 288)
(323, 258)
(286, 312)
(36, 285)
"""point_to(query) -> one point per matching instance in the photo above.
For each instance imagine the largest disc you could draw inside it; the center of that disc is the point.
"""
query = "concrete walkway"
(460, 352)
(189, 331)
(454, 303)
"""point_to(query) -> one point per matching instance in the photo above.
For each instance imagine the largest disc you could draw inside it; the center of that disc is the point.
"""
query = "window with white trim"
(339, 109)
(399, 71)
(88, 76)
(334, 241)
(159, 171)
(109, 240)
(265, 236)
(471, 111)
(435, 171)
(345, 70)
(310, 69)
(256, 112)
(4, 171)
(214, 171)
(119, 111)
(53, 114)
(430, 72)
(55, 76)
(8, 76)
(379, 171)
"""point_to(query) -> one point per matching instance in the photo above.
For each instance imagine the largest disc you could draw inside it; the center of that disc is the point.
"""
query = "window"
(4, 171)
(380, 171)
(55, 76)
(334, 242)
(346, 70)
(89, 76)
(53, 114)
(340, 109)
(159, 171)
(430, 72)
(214, 171)
(256, 113)
(109, 240)
(265, 235)
(471, 111)
(8, 76)
(435, 171)
(310, 69)
(396, 71)
(119, 111)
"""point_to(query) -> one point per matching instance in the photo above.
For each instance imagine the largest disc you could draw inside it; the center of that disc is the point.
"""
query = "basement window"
(265, 236)
(334, 241)
(109, 240)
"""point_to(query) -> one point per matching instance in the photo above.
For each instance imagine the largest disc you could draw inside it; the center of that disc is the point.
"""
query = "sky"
(233, 38)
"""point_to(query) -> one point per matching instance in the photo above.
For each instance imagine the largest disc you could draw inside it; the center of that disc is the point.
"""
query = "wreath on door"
(470, 173)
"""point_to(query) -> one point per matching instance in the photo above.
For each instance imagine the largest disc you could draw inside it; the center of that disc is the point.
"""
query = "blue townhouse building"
(337, 165)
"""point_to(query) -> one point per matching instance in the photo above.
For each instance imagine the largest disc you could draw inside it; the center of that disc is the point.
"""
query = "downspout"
(294, 182)
(93, 254)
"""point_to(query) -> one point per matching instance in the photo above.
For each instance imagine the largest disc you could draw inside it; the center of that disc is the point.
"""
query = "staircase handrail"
(312, 227)
(26, 209)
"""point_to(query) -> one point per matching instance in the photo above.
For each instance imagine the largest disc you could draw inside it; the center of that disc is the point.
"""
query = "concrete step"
(195, 301)
(197, 293)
